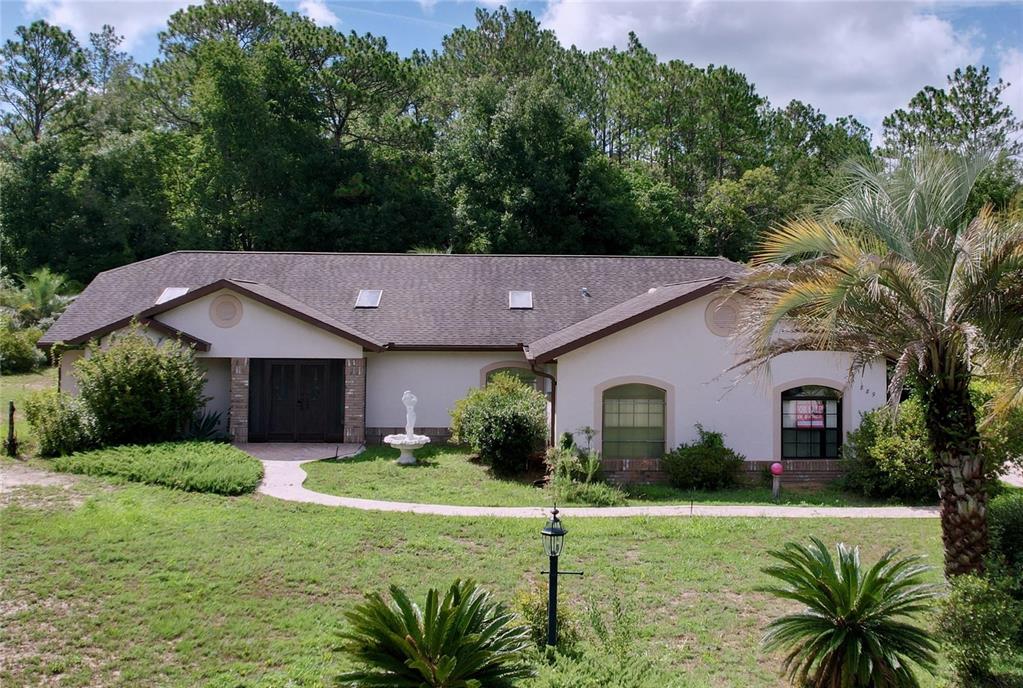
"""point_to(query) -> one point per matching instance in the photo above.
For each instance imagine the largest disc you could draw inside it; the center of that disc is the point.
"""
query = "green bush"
(531, 605)
(192, 466)
(139, 392)
(1005, 523)
(891, 458)
(857, 626)
(18, 352)
(463, 639)
(706, 464)
(615, 659)
(978, 624)
(594, 494)
(504, 423)
(61, 423)
(574, 476)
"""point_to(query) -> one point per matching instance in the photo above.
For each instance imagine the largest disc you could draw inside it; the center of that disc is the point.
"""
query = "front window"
(524, 374)
(811, 422)
(633, 422)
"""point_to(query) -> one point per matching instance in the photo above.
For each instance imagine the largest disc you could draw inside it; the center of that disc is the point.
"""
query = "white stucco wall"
(218, 386)
(68, 381)
(437, 378)
(263, 332)
(677, 352)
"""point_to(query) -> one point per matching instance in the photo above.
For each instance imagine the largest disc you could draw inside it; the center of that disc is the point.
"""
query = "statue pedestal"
(407, 445)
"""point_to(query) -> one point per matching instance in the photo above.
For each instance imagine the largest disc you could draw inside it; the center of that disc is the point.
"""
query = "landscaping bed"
(448, 475)
(192, 466)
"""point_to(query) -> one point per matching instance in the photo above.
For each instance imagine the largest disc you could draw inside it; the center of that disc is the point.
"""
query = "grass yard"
(15, 388)
(446, 475)
(150, 586)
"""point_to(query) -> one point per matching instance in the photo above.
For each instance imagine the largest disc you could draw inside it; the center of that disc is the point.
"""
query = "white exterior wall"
(437, 378)
(677, 352)
(218, 386)
(263, 332)
(68, 380)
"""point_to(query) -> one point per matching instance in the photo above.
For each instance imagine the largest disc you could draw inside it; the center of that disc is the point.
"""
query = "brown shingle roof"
(429, 301)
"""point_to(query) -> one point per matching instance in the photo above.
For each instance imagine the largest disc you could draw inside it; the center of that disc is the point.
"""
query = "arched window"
(633, 422)
(525, 374)
(811, 422)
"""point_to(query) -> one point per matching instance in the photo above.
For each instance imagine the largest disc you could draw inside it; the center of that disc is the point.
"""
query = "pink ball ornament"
(777, 468)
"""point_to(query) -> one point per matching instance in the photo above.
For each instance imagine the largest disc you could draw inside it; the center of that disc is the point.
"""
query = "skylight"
(368, 298)
(171, 293)
(520, 300)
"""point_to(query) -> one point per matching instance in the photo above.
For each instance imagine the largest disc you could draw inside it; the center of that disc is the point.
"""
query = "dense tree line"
(257, 129)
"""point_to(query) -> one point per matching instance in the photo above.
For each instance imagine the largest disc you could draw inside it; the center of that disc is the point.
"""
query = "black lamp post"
(553, 536)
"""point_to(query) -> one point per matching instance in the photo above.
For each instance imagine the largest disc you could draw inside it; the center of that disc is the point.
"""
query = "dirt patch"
(32, 487)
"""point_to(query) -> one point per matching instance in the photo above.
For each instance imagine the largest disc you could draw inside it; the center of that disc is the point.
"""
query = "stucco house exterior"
(315, 347)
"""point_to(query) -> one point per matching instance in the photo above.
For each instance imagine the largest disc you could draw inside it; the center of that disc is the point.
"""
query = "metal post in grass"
(553, 536)
(11, 444)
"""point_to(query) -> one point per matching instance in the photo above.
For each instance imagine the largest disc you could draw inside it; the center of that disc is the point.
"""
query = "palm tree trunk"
(962, 485)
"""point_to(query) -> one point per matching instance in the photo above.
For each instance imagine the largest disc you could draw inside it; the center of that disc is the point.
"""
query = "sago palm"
(896, 270)
(463, 640)
(854, 630)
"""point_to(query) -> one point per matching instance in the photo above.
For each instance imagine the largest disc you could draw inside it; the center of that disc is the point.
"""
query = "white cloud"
(136, 20)
(1010, 69)
(318, 11)
(860, 58)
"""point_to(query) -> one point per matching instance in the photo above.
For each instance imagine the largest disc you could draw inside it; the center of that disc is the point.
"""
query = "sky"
(846, 58)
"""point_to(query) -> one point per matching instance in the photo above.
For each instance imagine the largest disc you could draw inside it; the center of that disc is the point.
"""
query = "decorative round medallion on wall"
(226, 310)
(722, 316)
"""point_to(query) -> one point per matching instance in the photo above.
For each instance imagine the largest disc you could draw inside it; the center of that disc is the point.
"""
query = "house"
(318, 347)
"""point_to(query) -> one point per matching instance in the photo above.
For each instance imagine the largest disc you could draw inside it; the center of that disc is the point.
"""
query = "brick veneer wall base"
(355, 400)
(798, 473)
(238, 409)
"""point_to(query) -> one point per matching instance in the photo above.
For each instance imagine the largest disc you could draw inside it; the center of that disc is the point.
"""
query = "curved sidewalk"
(283, 480)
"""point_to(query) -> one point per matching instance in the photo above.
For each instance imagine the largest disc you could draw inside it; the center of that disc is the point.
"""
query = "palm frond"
(462, 639)
(852, 631)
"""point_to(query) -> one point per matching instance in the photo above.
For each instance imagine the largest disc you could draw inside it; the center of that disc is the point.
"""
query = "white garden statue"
(409, 442)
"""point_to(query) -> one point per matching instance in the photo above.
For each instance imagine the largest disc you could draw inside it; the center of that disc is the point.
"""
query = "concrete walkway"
(283, 479)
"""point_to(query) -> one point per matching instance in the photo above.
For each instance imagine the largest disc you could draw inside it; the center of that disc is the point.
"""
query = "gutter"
(554, 399)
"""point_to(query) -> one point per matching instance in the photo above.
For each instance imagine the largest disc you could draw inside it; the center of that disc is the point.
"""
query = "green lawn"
(149, 586)
(15, 388)
(446, 475)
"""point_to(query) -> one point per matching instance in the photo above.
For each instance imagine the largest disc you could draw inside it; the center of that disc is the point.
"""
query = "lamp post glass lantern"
(553, 536)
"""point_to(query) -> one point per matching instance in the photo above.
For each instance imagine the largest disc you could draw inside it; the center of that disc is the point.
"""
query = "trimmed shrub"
(18, 352)
(191, 466)
(1005, 524)
(139, 392)
(978, 624)
(61, 422)
(504, 423)
(886, 457)
(706, 464)
(531, 605)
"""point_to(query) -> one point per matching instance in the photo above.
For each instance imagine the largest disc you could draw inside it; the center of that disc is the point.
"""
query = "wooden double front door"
(296, 400)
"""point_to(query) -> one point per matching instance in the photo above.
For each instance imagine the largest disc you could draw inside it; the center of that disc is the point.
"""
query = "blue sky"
(859, 58)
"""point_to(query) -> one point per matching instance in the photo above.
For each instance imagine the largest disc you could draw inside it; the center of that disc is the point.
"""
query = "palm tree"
(853, 631)
(465, 640)
(39, 300)
(896, 270)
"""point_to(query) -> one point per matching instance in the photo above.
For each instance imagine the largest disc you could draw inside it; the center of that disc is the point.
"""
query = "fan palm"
(465, 640)
(854, 630)
(897, 270)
